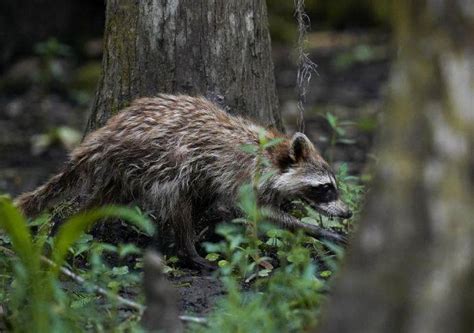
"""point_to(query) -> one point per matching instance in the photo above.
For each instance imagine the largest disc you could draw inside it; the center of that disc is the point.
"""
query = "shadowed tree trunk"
(410, 267)
(161, 312)
(186, 46)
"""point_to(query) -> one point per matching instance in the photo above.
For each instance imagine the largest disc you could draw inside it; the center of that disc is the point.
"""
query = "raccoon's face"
(307, 176)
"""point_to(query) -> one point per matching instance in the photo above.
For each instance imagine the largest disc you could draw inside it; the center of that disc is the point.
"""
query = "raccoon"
(179, 156)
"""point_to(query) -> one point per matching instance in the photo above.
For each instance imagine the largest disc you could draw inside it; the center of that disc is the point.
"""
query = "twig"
(101, 291)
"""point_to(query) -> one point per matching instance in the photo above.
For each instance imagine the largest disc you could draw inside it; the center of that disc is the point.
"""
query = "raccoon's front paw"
(318, 232)
(334, 237)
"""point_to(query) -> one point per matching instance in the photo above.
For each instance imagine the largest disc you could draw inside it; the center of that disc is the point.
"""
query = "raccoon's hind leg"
(182, 221)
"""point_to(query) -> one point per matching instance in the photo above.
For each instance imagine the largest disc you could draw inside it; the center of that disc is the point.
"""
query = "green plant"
(275, 279)
(66, 136)
(52, 72)
(37, 300)
(283, 298)
(249, 259)
(338, 133)
(360, 54)
(52, 48)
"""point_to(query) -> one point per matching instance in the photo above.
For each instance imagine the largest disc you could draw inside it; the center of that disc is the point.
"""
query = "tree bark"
(410, 267)
(218, 48)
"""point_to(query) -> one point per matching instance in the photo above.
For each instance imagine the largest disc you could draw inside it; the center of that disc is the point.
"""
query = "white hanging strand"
(306, 66)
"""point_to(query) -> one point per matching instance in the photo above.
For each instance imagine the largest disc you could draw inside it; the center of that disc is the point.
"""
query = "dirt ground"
(353, 69)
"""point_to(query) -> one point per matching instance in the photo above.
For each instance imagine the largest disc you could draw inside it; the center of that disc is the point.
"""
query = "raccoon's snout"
(335, 208)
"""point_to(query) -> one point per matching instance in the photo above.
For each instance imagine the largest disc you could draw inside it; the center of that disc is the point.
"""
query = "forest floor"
(44, 106)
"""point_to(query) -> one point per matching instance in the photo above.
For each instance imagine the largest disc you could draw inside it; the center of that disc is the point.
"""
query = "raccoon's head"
(303, 174)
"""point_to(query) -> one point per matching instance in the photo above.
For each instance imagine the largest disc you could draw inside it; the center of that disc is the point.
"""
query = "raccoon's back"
(186, 117)
(173, 138)
(179, 126)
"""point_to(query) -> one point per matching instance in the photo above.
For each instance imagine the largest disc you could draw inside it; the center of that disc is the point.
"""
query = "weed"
(36, 300)
(53, 71)
(338, 133)
(275, 279)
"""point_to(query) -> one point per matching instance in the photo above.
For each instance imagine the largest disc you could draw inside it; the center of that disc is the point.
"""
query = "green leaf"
(126, 249)
(12, 221)
(114, 285)
(273, 241)
(212, 256)
(248, 202)
(325, 274)
(340, 131)
(338, 250)
(211, 247)
(107, 247)
(331, 222)
(41, 220)
(28, 274)
(85, 239)
(264, 272)
(122, 270)
(262, 137)
(223, 263)
(240, 220)
(172, 260)
(332, 120)
(4, 239)
(167, 269)
(273, 142)
(249, 148)
(80, 303)
(266, 176)
(343, 169)
(274, 233)
(75, 226)
(68, 136)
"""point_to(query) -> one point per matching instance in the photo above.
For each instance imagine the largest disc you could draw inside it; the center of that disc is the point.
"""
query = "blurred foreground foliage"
(35, 297)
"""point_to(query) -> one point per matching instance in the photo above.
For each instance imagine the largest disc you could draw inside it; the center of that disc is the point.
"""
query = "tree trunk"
(410, 267)
(217, 48)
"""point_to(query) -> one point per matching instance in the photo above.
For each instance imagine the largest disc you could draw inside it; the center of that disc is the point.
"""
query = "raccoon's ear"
(300, 147)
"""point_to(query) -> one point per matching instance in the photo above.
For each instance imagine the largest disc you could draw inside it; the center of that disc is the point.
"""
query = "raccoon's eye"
(317, 190)
(323, 193)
